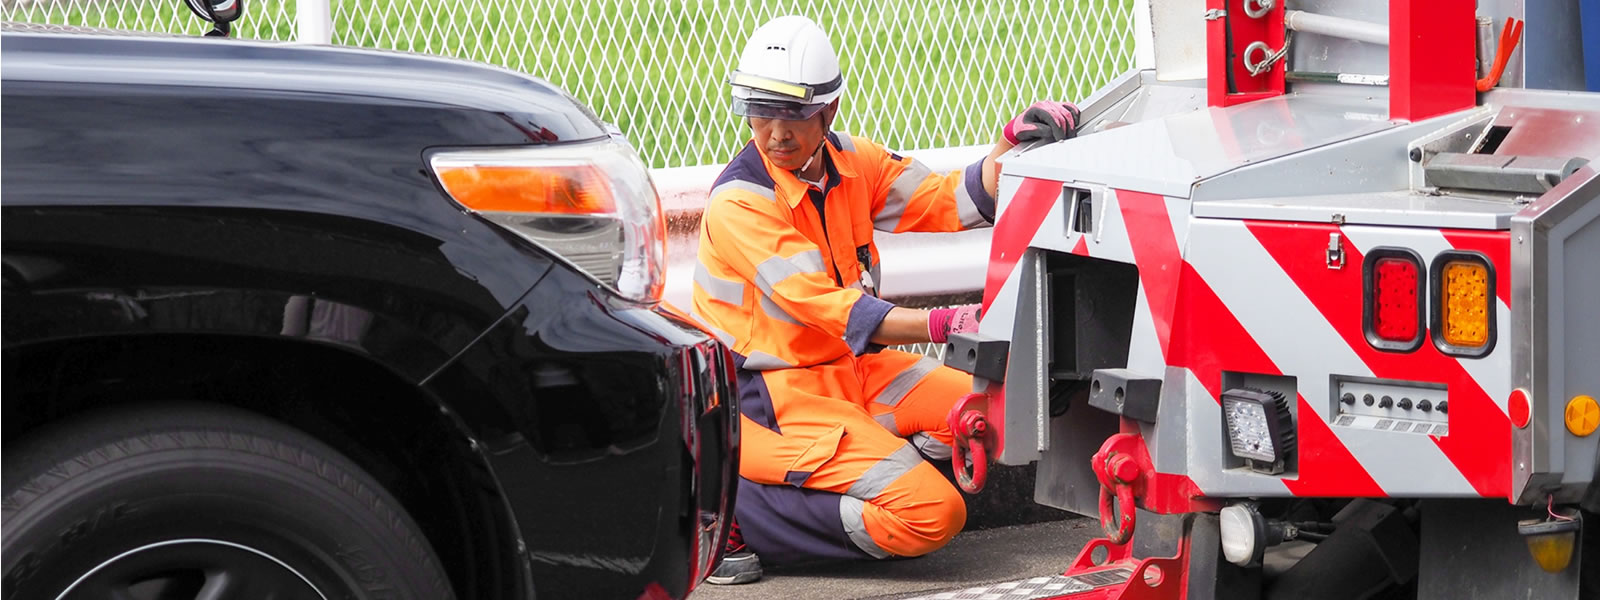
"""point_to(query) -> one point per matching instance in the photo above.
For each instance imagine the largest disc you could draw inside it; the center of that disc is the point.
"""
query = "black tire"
(162, 501)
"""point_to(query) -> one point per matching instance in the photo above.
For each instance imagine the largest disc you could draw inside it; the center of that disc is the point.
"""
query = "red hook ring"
(969, 433)
(1118, 529)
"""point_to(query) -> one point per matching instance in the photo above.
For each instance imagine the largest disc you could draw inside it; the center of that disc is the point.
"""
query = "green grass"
(921, 74)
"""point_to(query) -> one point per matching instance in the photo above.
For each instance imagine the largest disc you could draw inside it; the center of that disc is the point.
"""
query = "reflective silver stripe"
(907, 379)
(879, 476)
(726, 338)
(761, 361)
(773, 310)
(774, 270)
(887, 421)
(966, 209)
(757, 189)
(931, 447)
(856, 527)
(845, 143)
(722, 336)
(731, 292)
(894, 205)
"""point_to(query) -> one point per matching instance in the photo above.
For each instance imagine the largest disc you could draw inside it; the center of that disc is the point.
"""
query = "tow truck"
(1309, 310)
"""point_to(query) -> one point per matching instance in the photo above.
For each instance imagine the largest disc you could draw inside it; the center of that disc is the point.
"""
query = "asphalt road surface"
(973, 559)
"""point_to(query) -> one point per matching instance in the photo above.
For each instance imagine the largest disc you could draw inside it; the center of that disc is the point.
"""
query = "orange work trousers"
(833, 458)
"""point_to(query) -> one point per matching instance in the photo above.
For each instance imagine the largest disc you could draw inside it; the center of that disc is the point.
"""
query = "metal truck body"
(1203, 246)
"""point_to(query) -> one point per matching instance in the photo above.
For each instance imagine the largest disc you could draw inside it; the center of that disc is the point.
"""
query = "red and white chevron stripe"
(1257, 297)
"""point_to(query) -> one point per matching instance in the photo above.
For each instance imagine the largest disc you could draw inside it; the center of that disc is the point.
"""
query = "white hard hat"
(787, 71)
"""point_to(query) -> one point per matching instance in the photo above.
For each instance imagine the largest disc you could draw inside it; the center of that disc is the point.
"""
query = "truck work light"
(1551, 541)
(1260, 428)
(591, 204)
(1246, 535)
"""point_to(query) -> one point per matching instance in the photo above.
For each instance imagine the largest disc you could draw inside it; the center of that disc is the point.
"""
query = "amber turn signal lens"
(1582, 415)
(578, 190)
(1465, 304)
(1551, 542)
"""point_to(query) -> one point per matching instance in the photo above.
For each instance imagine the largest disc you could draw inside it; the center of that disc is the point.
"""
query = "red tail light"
(1394, 299)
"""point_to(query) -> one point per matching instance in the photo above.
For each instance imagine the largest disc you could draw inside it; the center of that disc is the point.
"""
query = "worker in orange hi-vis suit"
(837, 431)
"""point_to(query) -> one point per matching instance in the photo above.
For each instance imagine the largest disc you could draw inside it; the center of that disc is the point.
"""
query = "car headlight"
(1260, 428)
(591, 204)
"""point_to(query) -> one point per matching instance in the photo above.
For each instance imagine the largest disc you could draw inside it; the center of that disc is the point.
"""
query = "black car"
(288, 321)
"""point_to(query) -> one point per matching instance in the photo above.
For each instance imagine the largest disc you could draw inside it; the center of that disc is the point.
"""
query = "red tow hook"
(971, 431)
(1120, 465)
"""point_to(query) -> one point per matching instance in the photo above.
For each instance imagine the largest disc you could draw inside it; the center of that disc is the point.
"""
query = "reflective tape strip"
(724, 290)
(887, 421)
(856, 527)
(907, 379)
(722, 336)
(931, 447)
(726, 338)
(966, 208)
(894, 204)
(754, 188)
(845, 143)
(773, 310)
(879, 476)
(774, 270)
(761, 361)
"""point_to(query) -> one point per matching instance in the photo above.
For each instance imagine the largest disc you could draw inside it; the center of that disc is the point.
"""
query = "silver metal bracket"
(1215, 13)
(1497, 172)
(1335, 251)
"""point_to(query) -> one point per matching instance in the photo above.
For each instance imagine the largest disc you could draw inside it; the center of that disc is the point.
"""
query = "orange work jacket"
(785, 291)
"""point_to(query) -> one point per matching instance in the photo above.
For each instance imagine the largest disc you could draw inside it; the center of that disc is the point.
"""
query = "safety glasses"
(770, 109)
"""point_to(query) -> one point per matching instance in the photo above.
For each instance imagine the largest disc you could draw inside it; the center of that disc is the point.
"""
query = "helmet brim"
(772, 109)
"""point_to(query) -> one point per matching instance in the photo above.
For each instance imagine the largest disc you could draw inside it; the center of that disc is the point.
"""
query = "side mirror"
(218, 12)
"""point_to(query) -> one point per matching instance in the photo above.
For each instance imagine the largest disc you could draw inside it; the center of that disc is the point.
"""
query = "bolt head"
(1124, 469)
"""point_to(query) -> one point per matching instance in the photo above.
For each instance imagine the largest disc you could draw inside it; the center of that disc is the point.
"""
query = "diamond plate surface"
(1036, 588)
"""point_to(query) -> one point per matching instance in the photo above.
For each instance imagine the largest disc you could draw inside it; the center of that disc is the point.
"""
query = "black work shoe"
(739, 564)
(741, 567)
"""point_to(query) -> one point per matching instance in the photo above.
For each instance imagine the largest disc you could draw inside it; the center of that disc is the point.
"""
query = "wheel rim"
(191, 569)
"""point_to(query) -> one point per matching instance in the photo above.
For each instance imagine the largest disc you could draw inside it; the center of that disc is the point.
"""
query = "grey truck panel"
(1167, 140)
(1555, 335)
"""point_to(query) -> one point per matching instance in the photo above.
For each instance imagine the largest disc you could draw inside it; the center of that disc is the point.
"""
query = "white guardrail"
(915, 265)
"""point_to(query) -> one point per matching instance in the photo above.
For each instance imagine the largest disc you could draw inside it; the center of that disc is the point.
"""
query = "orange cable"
(1509, 36)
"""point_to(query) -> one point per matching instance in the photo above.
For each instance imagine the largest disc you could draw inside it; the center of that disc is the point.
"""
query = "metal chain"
(1268, 59)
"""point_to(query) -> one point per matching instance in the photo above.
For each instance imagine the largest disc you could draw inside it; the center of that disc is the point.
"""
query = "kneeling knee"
(932, 521)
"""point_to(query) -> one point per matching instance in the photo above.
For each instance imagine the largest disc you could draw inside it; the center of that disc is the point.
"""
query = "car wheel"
(195, 501)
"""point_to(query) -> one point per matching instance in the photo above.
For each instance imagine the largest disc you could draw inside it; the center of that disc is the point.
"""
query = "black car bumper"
(612, 432)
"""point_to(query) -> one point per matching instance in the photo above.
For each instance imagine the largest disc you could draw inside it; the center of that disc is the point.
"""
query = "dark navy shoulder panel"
(746, 166)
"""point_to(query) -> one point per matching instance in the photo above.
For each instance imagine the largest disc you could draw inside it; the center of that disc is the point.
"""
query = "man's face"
(789, 143)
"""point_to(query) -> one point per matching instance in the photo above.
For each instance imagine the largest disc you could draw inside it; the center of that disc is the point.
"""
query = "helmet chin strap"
(810, 159)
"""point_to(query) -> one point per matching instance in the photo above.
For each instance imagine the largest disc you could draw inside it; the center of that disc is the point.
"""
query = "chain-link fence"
(920, 74)
(269, 20)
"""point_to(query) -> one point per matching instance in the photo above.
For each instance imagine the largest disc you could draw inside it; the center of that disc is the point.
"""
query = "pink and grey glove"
(944, 321)
(1044, 120)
